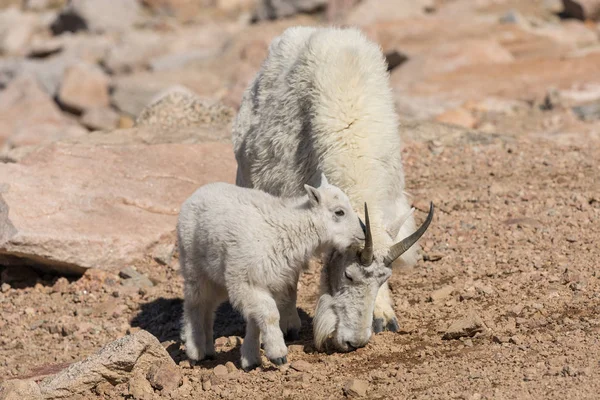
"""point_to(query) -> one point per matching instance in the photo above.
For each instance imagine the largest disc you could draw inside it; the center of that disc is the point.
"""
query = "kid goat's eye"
(348, 276)
(340, 213)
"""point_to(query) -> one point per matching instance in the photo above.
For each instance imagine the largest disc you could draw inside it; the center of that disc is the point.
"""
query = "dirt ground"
(514, 241)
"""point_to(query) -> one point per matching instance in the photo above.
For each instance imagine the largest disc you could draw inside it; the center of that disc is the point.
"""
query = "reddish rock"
(18, 389)
(28, 116)
(103, 206)
(165, 376)
(84, 86)
(457, 116)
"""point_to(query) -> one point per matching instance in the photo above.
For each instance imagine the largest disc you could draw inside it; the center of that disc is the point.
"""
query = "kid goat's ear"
(313, 195)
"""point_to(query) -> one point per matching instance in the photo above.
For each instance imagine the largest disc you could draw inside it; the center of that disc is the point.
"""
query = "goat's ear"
(314, 196)
(323, 180)
(394, 226)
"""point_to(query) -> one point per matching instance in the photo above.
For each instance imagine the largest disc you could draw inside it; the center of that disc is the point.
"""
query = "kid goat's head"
(343, 227)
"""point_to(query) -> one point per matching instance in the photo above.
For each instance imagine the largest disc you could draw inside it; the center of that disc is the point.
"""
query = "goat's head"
(343, 227)
(349, 286)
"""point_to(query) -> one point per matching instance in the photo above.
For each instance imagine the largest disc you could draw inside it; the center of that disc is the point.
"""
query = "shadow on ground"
(162, 318)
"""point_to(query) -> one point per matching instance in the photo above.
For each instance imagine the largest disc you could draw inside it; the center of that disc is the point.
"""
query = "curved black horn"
(366, 255)
(399, 248)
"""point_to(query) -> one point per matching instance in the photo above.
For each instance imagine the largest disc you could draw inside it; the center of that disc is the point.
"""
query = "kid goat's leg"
(289, 319)
(200, 300)
(260, 308)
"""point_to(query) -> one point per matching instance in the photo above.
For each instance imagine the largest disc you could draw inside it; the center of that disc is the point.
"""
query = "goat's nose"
(355, 344)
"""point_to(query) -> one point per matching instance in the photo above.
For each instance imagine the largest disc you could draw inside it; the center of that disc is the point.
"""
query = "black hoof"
(392, 325)
(292, 335)
(210, 357)
(378, 325)
(251, 367)
(279, 361)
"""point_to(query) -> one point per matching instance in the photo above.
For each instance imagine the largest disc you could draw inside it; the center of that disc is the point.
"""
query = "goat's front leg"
(260, 307)
(384, 317)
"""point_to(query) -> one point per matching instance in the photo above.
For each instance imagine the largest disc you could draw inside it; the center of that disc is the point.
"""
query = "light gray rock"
(465, 327)
(179, 106)
(115, 363)
(275, 9)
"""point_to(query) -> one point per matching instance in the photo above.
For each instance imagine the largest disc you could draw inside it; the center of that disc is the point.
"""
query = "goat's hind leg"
(198, 313)
(289, 321)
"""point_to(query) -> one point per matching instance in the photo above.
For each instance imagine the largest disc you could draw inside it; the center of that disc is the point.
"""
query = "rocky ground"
(500, 109)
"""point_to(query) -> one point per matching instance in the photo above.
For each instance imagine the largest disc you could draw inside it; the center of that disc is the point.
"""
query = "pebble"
(301, 366)
(441, 293)
(356, 388)
(5, 287)
(465, 327)
(230, 367)
(206, 385)
(220, 370)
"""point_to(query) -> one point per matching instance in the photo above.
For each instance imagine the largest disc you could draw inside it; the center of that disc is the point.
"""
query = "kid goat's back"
(249, 247)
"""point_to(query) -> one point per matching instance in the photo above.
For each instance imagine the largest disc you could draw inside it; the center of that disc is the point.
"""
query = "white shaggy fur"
(249, 246)
(322, 103)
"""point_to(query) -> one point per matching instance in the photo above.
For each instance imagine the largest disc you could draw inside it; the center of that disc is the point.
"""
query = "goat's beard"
(324, 322)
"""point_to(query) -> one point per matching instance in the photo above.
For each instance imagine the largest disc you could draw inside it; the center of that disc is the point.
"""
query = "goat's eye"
(340, 213)
(348, 276)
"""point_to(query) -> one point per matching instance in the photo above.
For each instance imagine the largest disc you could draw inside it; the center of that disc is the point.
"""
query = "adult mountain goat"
(322, 103)
(248, 246)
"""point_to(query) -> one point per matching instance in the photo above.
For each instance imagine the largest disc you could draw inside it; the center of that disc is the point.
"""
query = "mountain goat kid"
(249, 246)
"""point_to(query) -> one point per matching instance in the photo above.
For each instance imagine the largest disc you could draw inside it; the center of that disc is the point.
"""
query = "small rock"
(301, 366)
(206, 385)
(165, 377)
(441, 294)
(516, 310)
(230, 367)
(131, 277)
(221, 341)
(588, 112)
(529, 374)
(220, 370)
(276, 9)
(4, 288)
(140, 388)
(500, 339)
(16, 30)
(235, 340)
(17, 389)
(295, 348)
(84, 86)
(458, 116)
(98, 17)
(515, 340)
(100, 118)
(162, 254)
(465, 327)
(356, 388)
